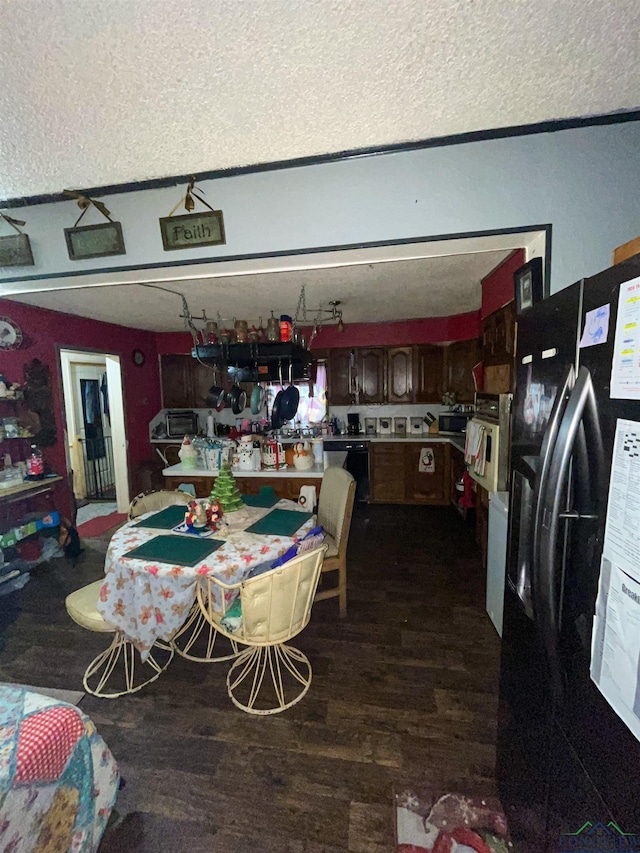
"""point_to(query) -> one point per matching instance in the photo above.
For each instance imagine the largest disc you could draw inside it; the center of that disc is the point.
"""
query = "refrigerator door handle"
(581, 409)
(539, 468)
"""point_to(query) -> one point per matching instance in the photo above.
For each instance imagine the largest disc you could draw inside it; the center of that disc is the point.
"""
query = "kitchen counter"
(456, 439)
(332, 459)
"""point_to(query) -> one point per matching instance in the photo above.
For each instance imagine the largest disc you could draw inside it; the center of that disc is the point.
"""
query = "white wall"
(585, 182)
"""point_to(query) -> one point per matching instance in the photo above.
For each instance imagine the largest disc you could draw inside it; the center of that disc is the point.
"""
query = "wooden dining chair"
(335, 508)
(114, 672)
(267, 611)
(148, 501)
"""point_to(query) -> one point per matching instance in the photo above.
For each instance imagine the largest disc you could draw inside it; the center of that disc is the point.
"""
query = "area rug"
(71, 697)
(101, 524)
(426, 823)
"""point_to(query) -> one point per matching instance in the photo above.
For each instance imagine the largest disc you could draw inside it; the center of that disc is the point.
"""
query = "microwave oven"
(181, 423)
(452, 422)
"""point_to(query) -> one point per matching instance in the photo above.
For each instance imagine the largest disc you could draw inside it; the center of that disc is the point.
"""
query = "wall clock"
(138, 357)
(10, 334)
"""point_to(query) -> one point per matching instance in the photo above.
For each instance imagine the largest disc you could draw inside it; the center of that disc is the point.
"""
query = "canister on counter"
(400, 426)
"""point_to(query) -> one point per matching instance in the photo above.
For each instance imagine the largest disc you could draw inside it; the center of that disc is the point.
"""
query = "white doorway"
(96, 434)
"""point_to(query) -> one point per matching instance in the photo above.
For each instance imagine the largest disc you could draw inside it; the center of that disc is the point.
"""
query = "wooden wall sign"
(15, 251)
(192, 230)
(94, 241)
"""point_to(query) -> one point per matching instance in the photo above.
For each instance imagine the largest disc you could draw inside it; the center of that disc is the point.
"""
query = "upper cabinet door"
(371, 376)
(460, 359)
(176, 376)
(400, 375)
(340, 381)
(429, 368)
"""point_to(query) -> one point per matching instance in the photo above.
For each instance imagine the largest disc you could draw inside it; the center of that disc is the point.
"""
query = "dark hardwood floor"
(404, 693)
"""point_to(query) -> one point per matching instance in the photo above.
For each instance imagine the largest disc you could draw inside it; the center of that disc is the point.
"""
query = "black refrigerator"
(567, 765)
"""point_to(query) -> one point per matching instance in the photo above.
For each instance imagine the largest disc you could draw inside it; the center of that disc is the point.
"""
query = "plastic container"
(35, 463)
(285, 327)
(318, 451)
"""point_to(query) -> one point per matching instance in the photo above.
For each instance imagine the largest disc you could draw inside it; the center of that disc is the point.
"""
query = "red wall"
(497, 287)
(44, 332)
(432, 330)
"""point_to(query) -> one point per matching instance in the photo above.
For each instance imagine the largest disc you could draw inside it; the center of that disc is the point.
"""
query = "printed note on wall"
(596, 327)
(625, 368)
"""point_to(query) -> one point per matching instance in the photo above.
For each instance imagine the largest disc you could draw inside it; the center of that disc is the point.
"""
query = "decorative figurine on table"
(196, 516)
(214, 514)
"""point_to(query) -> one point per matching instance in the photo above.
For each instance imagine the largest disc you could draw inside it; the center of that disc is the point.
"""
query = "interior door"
(93, 426)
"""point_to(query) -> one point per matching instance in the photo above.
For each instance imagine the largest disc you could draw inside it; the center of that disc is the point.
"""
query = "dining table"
(148, 597)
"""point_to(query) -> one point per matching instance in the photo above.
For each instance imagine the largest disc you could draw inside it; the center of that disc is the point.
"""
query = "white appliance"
(497, 555)
(487, 441)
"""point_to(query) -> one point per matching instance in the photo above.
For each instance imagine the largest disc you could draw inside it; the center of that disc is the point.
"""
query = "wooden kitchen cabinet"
(387, 473)
(340, 381)
(395, 478)
(498, 335)
(428, 373)
(498, 349)
(371, 375)
(283, 486)
(176, 376)
(399, 375)
(421, 487)
(203, 378)
(460, 357)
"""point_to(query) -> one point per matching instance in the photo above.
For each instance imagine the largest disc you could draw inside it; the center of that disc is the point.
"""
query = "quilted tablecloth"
(150, 600)
(58, 779)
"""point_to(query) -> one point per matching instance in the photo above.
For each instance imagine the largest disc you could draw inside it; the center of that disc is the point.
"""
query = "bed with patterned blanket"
(58, 779)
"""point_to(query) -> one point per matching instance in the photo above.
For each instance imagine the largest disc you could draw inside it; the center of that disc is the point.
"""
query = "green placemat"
(166, 519)
(177, 550)
(262, 500)
(280, 522)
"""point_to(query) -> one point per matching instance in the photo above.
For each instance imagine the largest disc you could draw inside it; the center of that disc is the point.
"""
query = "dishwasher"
(357, 462)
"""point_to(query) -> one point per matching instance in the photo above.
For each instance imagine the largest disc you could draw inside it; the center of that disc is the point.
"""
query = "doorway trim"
(66, 357)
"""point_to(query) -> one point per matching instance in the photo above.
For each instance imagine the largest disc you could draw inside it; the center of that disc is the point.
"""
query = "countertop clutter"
(332, 459)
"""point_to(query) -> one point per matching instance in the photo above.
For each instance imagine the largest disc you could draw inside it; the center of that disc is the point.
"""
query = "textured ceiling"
(96, 92)
(429, 287)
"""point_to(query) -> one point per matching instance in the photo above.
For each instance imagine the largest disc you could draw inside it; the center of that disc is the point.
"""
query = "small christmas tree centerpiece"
(226, 491)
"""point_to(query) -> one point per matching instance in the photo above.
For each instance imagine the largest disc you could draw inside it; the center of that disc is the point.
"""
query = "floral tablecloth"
(150, 600)
(58, 780)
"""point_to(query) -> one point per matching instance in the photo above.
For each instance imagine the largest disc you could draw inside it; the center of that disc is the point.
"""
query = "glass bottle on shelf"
(273, 329)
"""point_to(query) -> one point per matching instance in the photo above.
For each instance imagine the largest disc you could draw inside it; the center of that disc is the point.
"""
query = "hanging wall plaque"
(93, 241)
(15, 249)
(192, 229)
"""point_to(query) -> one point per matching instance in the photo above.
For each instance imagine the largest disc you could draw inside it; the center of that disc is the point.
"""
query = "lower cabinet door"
(386, 473)
(427, 473)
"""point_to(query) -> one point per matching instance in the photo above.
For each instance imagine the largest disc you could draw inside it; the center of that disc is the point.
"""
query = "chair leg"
(102, 669)
(290, 673)
(342, 590)
(196, 639)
